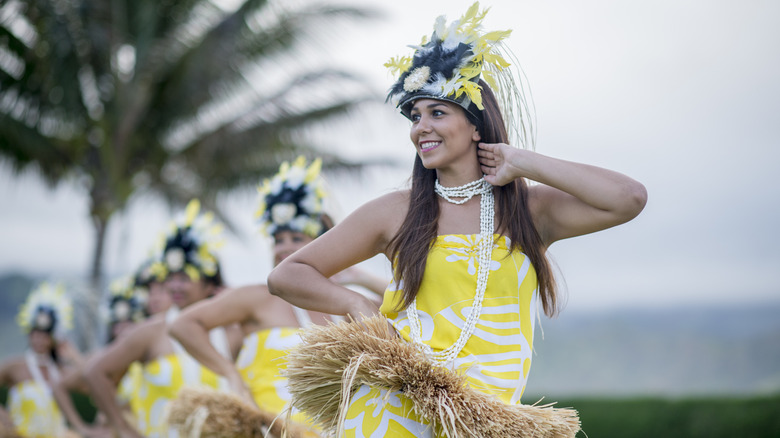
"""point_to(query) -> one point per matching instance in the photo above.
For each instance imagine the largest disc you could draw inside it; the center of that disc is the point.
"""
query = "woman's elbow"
(276, 281)
(176, 329)
(635, 200)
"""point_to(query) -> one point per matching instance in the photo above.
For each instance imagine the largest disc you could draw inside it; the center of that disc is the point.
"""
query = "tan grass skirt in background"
(333, 361)
(207, 413)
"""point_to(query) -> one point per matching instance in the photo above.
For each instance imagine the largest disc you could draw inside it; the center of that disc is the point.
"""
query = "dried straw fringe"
(206, 413)
(332, 362)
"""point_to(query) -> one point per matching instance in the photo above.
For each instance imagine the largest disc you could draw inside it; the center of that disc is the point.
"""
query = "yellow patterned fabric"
(261, 361)
(497, 357)
(34, 411)
(163, 378)
(129, 389)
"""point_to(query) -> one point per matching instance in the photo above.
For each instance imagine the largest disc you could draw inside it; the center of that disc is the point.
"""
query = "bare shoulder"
(386, 213)
(9, 370)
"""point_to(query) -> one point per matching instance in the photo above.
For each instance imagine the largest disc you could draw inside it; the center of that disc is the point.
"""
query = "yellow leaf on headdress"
(399, 65)
(470, 71)
(490, 79)
(497, 35)
(191, 211)
(192, 273)
(300, 161)
(260, 209)
(313, 171)
(471, 13)
(472, 90)
(496, 59)
(159, 270)
(283, 169)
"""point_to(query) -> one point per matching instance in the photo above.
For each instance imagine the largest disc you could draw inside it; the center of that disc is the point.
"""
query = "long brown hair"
(409, 248)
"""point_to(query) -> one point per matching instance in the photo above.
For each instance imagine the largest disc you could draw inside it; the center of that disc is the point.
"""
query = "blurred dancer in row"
(191, 273)
(290, 211)
(32, 410)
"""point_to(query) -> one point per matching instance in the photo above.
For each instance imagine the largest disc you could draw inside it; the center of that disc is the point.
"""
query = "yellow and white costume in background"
(164, 377)
(31, 404)
(262, 360)
(497, 357)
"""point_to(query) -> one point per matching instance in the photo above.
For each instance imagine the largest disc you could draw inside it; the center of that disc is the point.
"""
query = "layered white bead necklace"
(486, 217)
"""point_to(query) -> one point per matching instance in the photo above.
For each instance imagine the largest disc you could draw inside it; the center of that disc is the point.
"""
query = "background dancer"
(45, 316)
(191, 273)
(290, 211)
(468, 251)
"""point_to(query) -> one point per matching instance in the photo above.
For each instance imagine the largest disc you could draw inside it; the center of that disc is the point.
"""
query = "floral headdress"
(292, 199)
(126, 302)
(189, 246)
(48, 308)
(450, 65)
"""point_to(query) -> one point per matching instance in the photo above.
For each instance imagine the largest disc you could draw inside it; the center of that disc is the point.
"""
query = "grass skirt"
(333, 361)
(207, 413)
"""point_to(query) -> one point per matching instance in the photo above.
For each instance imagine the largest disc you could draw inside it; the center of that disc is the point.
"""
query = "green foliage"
(754, 417)
(180, 99)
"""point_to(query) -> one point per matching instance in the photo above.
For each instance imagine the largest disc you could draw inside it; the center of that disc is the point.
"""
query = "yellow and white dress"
(31, 404)
(261, 362)
(165, 376)
(497, 357)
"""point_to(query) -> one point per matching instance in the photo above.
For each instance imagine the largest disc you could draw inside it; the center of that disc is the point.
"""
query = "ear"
(475, 135)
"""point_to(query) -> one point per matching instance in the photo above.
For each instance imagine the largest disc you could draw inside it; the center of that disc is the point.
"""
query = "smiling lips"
(428, 145)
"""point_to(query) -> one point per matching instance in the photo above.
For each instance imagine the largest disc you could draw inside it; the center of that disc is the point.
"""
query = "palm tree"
(178, 98)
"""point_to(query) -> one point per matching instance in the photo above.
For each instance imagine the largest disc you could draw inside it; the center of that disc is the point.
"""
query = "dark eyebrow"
(429, 106)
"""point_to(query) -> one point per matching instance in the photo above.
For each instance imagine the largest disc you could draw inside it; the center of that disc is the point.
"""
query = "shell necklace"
(486, 218)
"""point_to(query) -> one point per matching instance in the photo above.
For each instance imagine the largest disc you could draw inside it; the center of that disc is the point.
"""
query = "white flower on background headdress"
(126, 302)
(292, 199)
(47, 308)
(189, 246)
(450, 65)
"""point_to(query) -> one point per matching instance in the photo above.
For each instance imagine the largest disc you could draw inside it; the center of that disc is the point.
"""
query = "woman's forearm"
(303, 286)
(104, 396)
(194, 337)
(600, 188)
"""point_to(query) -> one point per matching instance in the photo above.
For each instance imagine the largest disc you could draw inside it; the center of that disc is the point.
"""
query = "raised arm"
(191, 329)
(573, 198)
(302, 278)
(106, 368)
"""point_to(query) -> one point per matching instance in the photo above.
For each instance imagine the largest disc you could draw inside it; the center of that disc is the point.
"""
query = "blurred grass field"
(711, 417)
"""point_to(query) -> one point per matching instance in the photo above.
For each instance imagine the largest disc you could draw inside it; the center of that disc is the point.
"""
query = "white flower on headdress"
(311, 203)
(53, 298)
(42, 320)
(174, 258)
(121, 311)
(417, 78)
(282, 213)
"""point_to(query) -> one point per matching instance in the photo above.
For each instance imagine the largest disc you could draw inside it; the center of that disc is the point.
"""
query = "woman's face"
(41, 342)
(287, 242)
(159, 298)
(184, 291)
(442, 134)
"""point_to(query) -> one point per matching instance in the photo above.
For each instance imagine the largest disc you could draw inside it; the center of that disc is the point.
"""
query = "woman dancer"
(191, 273)
(291, 212)
(467, 242)
(45, 317)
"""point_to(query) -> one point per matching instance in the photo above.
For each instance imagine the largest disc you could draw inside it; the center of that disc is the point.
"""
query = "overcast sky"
(682, 95)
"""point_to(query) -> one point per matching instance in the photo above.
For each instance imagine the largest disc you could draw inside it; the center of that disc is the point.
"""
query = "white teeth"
(429, 144)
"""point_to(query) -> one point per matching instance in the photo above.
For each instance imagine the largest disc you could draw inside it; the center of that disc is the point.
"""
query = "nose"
(423, 125)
